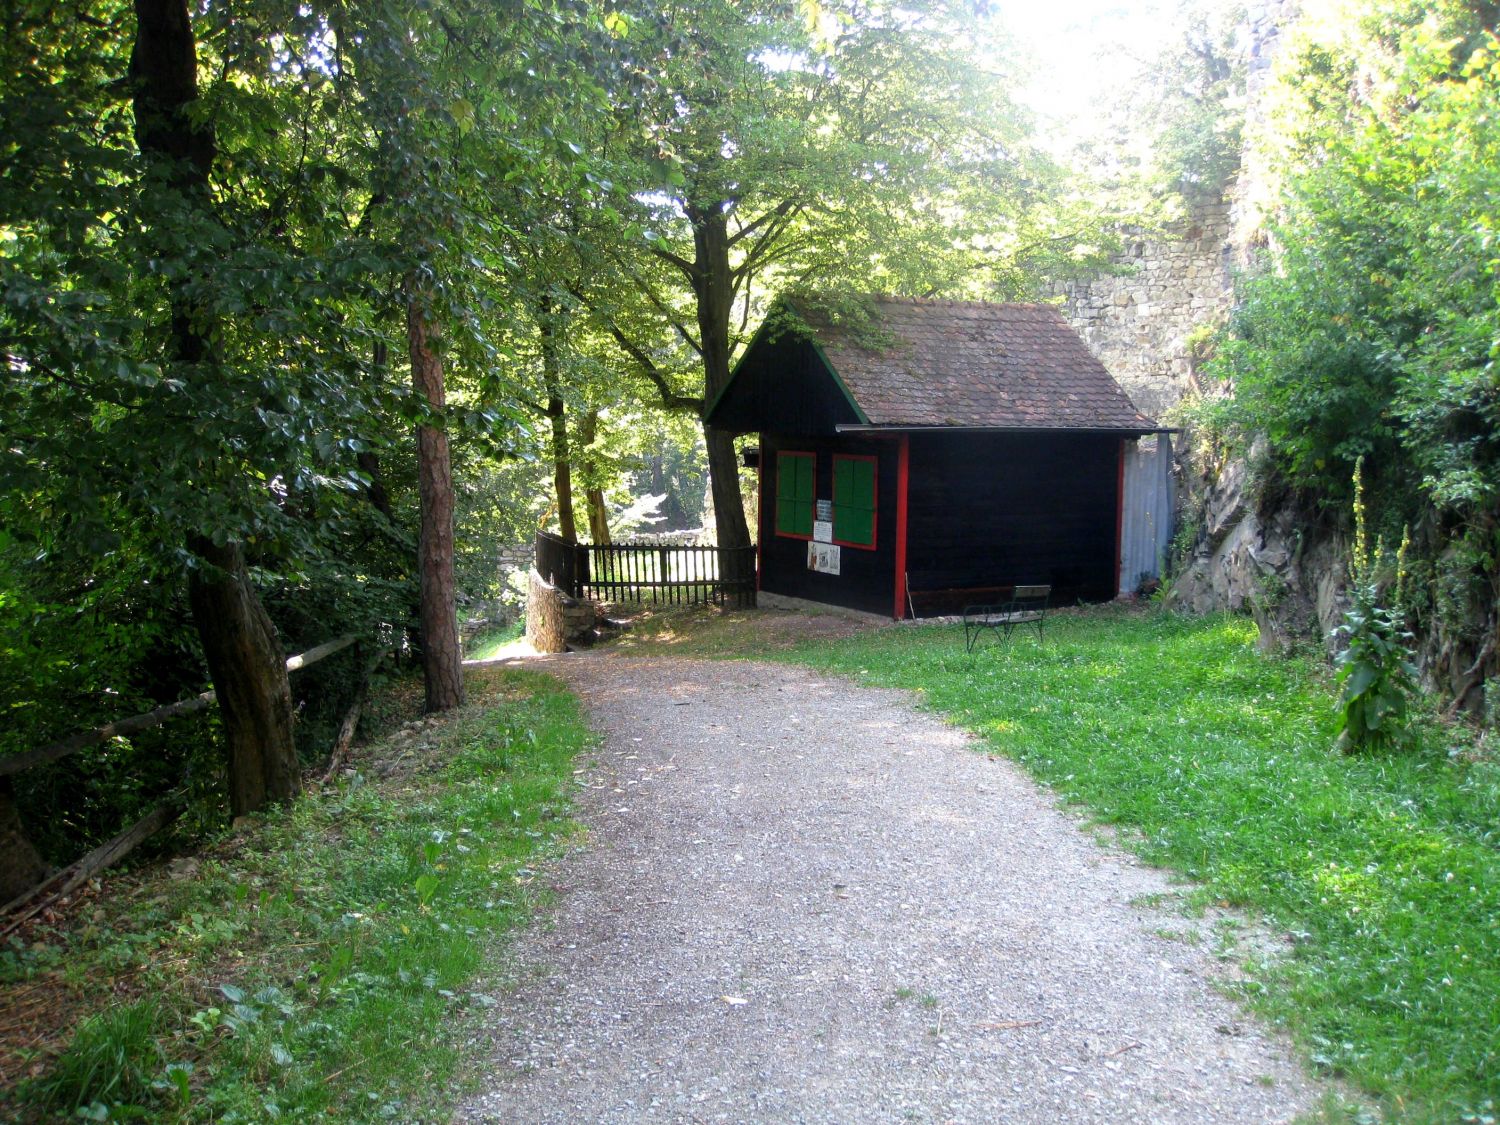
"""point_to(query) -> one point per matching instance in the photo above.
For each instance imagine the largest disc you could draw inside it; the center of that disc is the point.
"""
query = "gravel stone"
(802, 900)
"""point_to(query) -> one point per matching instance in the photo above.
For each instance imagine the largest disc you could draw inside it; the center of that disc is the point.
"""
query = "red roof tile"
(968, 363)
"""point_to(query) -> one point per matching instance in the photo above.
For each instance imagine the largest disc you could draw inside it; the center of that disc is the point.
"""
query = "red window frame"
(874, 500)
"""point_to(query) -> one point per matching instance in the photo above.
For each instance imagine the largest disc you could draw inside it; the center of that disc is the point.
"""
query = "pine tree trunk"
(442, 655)
(248, 666)
(239, 643)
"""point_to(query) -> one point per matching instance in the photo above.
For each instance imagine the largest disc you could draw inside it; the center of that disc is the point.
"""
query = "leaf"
(1360, 678)
(426, 886)
(232, 994)
(462, 112)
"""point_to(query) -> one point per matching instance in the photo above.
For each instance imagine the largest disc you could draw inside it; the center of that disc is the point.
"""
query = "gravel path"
(803, 901)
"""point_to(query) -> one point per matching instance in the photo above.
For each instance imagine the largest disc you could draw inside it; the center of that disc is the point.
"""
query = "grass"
(1381, 875)
(322, 967)
(489, 644)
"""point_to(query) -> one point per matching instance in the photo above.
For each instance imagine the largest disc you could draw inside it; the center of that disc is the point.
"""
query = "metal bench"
(1027, 606)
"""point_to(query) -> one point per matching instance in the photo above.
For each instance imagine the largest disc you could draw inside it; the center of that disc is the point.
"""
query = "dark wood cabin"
(970, 446)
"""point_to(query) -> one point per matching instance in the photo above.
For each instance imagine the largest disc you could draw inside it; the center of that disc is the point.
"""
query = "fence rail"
(648, 573)
(15, 763)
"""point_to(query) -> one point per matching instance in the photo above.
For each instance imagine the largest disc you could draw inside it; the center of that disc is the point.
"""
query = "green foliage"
(323, 968)
(1371, 332)
(1373, 666)
(1376, 675)
(1382, 872)
(1183, 120)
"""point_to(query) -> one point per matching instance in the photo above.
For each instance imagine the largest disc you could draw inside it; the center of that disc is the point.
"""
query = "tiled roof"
(965, 363)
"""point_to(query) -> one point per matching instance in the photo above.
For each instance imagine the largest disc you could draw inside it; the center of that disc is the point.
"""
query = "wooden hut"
(942, 446)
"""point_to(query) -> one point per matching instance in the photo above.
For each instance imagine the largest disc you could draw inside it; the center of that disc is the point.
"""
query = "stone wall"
(554, 620)
(1140, 322)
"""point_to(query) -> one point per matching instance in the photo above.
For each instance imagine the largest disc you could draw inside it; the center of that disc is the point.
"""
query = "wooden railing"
(648, 573)
(64, 882)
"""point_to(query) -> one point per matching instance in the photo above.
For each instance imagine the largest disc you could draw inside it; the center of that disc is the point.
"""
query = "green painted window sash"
(854, 501)
(795, 477)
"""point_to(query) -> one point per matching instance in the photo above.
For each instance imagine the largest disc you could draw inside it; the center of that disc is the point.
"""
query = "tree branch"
(688, 268)
(658, 304)
(670, 399)
(776, 212)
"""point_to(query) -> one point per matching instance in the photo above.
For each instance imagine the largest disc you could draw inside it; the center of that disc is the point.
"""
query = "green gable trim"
(832, 371)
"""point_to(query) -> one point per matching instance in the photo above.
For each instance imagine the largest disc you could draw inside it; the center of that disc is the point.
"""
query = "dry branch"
(71, 878)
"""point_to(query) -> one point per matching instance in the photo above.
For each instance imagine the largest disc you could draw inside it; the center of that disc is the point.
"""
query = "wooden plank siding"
(867, 577)
(1001, 509)
(790, 391)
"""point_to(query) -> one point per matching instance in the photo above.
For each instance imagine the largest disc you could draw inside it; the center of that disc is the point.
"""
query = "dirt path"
(803, 901)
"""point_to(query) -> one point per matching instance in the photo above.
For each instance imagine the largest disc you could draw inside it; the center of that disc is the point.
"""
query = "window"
(854, 501)
(794, 494)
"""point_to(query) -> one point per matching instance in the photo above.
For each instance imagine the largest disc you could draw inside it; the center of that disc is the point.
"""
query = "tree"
(1369, 331)
(182, 315)
(240, 645)
(852, 146)
(472, 105)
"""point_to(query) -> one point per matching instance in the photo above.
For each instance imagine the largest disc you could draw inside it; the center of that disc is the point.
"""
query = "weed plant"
(1380, 875)
(321, 970)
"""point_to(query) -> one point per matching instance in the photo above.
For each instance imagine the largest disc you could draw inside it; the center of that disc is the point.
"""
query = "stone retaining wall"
(555, 620)
(1141, 323)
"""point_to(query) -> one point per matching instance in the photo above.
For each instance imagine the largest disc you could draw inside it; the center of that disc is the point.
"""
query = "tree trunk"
(243, 654)
(442, 655)
(588, 434)
(248, 667)
(562, 468)
(21, 868)
(714, 290)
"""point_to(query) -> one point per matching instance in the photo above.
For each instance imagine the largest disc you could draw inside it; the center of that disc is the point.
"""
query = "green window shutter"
(794, 494)
(854, 501)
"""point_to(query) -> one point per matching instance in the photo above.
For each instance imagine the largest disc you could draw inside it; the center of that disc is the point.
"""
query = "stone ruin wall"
(1268, 558)
(1139, 322)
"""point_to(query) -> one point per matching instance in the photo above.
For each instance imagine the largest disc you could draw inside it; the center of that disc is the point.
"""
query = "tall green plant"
(1373, 668)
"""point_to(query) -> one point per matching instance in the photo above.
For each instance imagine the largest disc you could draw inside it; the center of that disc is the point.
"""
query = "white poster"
(823, 558)
(823, 531)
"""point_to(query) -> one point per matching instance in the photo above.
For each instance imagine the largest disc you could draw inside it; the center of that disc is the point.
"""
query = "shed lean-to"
(960, 444)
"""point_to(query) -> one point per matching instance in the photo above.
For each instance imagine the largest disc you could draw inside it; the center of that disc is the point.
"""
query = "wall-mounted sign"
(823, 531)
(825, 511)
(823, 558)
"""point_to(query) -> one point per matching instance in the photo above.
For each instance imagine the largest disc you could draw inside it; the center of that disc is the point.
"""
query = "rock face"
(1281, 563)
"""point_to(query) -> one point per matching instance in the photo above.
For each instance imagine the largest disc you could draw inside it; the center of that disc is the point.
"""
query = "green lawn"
(1380, 876)
(323, 967)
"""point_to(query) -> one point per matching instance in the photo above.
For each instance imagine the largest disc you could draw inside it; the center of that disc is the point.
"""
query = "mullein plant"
(1374, 666)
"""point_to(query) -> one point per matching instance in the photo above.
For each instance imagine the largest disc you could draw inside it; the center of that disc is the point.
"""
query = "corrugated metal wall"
(1146, 527)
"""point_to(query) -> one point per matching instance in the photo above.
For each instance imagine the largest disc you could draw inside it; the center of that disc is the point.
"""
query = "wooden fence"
(648, 573)
(70, 878)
